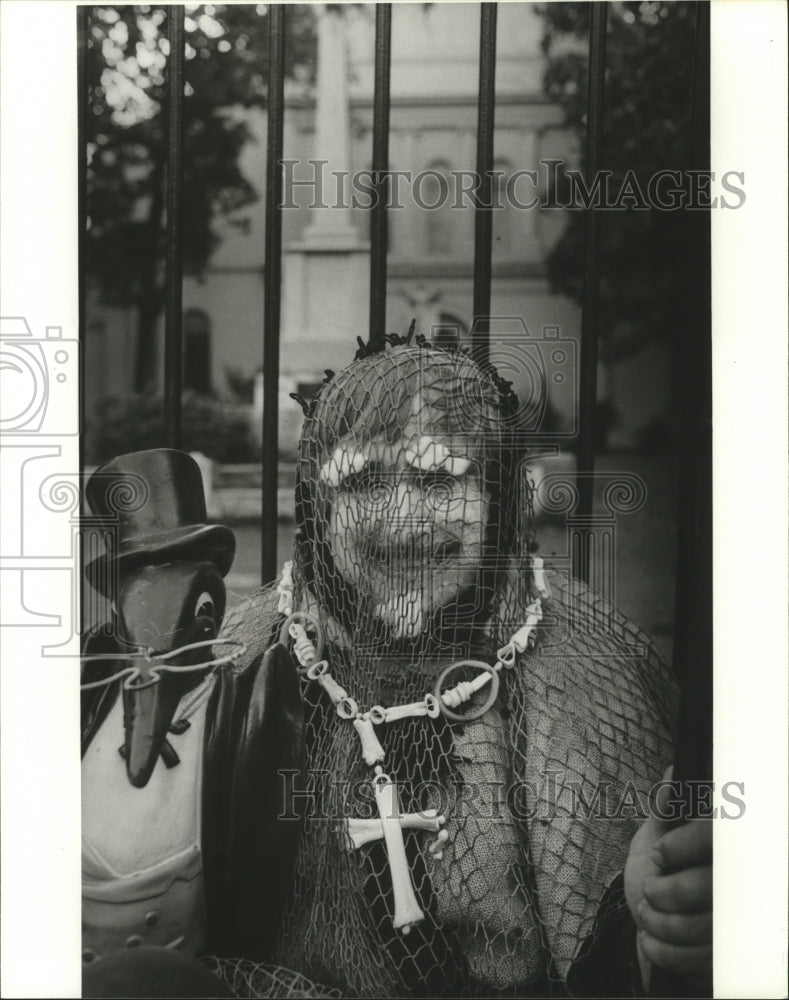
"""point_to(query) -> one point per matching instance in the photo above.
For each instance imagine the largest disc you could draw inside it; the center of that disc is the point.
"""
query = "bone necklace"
(391, 822)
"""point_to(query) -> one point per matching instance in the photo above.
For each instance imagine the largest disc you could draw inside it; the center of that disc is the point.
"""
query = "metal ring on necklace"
(476, 713)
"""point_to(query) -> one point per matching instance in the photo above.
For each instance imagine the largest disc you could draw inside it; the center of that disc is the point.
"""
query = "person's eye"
(439, 487)
(370, 479)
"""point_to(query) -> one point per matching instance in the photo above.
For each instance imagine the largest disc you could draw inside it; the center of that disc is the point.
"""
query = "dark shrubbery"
(132, 423)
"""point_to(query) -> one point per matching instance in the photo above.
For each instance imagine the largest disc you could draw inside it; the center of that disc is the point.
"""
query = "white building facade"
(327, 147)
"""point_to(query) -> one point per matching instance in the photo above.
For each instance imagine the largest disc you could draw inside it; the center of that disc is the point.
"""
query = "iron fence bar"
(82, 209)
(82, 229)
(590, 307)
(692, 653)
(173, 306)
(483, 215)
(380, 166)
(693, 610)
(272, 284)
(693, 607)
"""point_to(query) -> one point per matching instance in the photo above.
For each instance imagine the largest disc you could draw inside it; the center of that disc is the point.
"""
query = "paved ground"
(644, 558)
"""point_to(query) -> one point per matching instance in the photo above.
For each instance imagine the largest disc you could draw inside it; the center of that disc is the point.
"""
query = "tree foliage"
(123, 424)
(225, 71)
(644, 261)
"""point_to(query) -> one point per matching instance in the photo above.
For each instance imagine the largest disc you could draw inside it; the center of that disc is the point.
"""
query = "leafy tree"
(225, 71)
(645, 263)
(122, 424)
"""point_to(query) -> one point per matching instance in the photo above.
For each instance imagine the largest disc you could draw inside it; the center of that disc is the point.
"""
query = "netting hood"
(407, 511)
(412, 551)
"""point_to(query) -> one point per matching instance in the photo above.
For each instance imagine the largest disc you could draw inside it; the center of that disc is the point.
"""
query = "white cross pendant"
(390, 826)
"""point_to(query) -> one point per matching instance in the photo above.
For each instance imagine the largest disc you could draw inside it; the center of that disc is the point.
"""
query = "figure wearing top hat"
(183, 739)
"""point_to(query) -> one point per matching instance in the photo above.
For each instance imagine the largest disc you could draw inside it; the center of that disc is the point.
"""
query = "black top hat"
(157, 499)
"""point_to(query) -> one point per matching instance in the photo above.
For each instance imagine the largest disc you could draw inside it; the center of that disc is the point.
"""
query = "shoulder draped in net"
(413, 542)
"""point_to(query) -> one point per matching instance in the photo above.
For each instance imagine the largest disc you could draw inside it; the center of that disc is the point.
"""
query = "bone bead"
(305, 651)
(414, 710)
(372, 751)
(437, 847)
(332, 688)
(464, 690)
(534, 616)
(285, 589)
(538, 577)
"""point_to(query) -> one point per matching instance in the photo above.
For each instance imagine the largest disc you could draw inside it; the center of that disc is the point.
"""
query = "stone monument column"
(326, 276)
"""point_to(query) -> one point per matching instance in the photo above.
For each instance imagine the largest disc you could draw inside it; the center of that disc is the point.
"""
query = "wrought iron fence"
(692, 654)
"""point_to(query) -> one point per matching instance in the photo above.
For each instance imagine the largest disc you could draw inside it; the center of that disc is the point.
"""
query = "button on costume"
(479, 737)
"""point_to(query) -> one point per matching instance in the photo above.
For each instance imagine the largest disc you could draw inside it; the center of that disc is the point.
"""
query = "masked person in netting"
(481, 744)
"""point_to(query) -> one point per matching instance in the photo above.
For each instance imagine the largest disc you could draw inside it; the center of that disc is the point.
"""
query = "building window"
(197, 352)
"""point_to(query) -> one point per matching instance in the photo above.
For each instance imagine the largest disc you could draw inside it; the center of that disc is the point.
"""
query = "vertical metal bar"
(693, 609)
(587, 400)
(483, 216)
(82, 208)
(379, 218)
(173, 305)
(82, 229)
(272, 280)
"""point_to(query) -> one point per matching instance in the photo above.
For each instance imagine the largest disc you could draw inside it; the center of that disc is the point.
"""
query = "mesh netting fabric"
(256, 979)
(412, 549)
